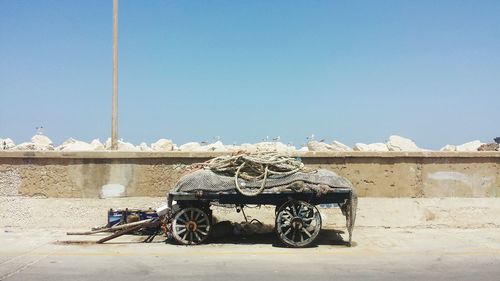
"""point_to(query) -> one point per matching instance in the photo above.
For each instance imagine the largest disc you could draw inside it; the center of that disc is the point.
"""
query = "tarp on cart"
(207, 180)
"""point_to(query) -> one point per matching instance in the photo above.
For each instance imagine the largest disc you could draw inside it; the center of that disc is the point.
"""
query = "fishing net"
(254, 174)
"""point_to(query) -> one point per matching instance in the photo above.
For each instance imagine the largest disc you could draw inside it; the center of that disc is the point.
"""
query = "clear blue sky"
(353, 71)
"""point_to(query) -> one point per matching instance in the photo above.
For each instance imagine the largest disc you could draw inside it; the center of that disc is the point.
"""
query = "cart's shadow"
(330, 237)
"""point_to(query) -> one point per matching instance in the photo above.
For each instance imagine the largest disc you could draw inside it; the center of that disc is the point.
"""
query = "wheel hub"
(297, 223)
(191, 226)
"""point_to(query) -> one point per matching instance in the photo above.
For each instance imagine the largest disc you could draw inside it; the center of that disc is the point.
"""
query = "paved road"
(378, 254)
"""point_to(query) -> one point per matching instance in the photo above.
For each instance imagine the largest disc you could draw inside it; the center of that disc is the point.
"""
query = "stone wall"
(374, 174)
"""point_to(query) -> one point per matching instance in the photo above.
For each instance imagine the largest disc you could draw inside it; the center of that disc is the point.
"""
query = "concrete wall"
(394, 174)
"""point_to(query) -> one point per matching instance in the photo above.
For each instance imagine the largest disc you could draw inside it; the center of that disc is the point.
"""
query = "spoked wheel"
(190, 226)
(297, 223)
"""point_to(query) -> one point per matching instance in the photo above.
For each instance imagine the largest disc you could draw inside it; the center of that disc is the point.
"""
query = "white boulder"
(126, 146)
(216, 146)
(397, 143)
(68, 141)
(373, 147)
(42, 142)
(122, 146)
(107, 144)
(75, 145)
(470, 146)
(163, 145)
(38, 143)
(321, 146)
(191, 146)
(144, 147)
(97, 144)
(65, 143)
(340, 146)
(6, 144)
(449, 147)
(26, 146)
(360, 147)
(318, 146)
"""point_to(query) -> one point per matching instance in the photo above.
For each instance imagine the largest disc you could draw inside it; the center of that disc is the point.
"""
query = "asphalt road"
(377, 254)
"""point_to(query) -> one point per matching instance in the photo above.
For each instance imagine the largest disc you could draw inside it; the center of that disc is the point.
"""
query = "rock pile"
(6, 144)
(395, 143)
(489, 147)
(40, 142)
(494, 146)
(469, 146)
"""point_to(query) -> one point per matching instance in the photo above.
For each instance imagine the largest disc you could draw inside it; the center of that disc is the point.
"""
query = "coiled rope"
(254, 167)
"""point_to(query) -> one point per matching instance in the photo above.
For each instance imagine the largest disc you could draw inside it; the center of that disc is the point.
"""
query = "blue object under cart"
(123, 216)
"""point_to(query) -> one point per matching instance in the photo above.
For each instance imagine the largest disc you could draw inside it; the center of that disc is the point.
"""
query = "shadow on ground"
(230, 233)
(326, 237)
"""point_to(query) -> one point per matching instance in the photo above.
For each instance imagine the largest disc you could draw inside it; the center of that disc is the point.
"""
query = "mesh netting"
(207, 180)
(320, 181)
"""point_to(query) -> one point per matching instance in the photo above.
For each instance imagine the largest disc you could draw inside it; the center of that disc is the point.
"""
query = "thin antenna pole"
(114, 117)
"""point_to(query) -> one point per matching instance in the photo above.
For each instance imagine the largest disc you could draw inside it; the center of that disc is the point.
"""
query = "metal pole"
(114, 117)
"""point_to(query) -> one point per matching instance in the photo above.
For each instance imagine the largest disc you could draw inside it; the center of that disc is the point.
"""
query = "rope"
(254, 167)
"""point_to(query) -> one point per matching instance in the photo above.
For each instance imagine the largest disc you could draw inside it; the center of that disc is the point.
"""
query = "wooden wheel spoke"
(197, 236)
(299, 209)
(306, 232)
(288, 231)
(190, 226)
(286, 224)
(298, 223)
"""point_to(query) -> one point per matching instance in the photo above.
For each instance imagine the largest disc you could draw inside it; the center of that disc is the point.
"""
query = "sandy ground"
(378, 254)
(403, 239)
(71, 213)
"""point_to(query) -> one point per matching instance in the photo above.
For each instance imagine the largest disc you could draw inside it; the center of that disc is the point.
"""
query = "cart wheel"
(190, 226)
(297, 223)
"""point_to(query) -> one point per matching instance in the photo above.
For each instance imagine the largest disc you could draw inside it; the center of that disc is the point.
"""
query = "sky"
(243, 71)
